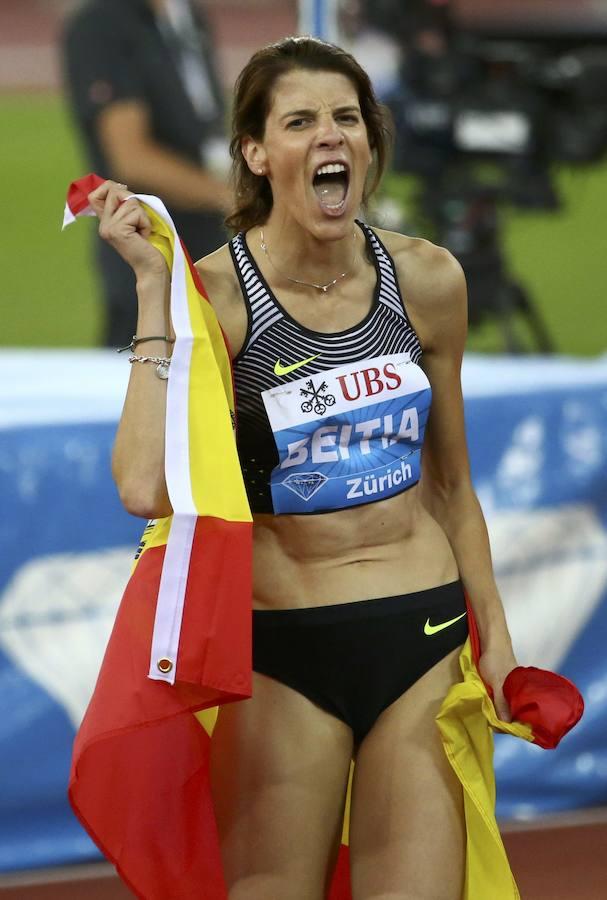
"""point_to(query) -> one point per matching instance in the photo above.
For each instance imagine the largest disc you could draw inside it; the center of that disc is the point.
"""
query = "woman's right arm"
(138, 455)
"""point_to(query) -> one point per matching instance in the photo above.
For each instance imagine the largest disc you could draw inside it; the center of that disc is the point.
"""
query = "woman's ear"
(255, 156)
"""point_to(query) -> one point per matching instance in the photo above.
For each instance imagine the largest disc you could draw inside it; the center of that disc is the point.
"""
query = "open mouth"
(330, 185)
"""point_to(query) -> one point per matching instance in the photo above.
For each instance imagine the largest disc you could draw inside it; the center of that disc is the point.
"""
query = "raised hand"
(125, 225)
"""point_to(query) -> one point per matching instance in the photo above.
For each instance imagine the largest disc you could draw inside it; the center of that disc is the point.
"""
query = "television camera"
(482, 119)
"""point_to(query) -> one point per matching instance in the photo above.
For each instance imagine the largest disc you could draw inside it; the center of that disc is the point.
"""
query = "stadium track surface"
(560, 857)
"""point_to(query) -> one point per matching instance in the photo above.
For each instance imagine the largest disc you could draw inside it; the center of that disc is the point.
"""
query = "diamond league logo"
(305, 484)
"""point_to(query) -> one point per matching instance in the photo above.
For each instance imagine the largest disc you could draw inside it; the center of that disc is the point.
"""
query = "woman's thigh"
(279, 771)
(407, 834)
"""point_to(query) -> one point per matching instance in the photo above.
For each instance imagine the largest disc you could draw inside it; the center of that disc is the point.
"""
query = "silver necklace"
(319, 287)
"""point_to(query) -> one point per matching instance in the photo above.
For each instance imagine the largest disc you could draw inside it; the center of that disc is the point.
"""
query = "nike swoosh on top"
(432, 629)
(284, 370)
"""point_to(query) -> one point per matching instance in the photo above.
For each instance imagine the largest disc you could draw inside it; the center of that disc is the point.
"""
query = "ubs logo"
(371, 380)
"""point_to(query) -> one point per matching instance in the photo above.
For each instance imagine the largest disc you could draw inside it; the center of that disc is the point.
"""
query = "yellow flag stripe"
(215, 475)
(217, 483)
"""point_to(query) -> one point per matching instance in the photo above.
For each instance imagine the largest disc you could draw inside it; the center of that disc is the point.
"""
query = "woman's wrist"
(153, 315)
(491, 622)
(493, 631)
(497, 640)
(153, 283)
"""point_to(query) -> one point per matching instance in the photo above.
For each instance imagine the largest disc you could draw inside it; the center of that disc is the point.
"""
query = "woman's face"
(315, 151)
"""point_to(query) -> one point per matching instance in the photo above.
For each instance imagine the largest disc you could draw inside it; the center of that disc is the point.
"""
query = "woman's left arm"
(440, 306)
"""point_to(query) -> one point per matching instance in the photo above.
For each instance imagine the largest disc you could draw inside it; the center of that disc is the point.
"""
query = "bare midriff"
(381, 549)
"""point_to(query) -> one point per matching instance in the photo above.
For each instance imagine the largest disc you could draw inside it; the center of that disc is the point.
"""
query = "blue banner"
(537, 433)
(67, 547)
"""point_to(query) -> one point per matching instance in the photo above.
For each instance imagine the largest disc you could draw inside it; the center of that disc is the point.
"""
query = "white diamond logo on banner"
(305, 484)
(56, 615)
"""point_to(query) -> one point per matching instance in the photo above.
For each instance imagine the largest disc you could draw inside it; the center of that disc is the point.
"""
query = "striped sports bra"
(327, 421)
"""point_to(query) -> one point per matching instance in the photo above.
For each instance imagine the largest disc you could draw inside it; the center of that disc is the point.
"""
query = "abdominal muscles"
(378, 550)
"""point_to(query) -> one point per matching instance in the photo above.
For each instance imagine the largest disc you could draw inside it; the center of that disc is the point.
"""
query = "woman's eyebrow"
(299, 112)
(311, 112)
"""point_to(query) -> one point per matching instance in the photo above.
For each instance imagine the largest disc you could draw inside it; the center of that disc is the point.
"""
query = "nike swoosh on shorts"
(284, 370)
(432, 629)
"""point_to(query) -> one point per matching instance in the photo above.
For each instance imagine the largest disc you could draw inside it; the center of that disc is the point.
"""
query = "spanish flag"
(544, 706)
(181, 643)
(181, 647)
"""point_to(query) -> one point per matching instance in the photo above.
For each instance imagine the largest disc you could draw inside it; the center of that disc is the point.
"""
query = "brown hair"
(252, 99)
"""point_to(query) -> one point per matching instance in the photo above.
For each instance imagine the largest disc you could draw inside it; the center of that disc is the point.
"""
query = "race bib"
(349, 435)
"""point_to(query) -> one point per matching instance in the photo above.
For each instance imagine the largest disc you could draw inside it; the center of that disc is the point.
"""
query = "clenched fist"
(125, 225)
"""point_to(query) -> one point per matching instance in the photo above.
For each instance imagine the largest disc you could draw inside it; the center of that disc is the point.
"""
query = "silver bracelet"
(162, 364)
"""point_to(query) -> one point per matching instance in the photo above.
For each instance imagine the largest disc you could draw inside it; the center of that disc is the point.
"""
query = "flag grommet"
(164, 665)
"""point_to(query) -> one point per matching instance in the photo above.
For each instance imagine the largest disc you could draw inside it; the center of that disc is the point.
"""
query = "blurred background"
(500, 108)
(510, 95)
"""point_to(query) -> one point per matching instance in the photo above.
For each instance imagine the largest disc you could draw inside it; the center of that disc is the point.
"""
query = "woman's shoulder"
(431, 279)
(219, 277)
(417, 252)
(421, 266)
(221, 284)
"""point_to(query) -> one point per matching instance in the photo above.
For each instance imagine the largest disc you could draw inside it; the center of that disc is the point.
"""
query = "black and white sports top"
(327, 421)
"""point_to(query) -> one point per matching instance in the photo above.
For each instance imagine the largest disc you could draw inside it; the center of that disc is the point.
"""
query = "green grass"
(562, 260)
(49, 295)
(558, 257)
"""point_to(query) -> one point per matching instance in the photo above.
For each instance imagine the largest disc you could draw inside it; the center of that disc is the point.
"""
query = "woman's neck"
(297, 255)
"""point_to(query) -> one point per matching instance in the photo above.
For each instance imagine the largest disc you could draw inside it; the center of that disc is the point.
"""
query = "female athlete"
(346, 343)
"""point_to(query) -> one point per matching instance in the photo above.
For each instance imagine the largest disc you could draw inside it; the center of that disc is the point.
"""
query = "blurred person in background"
(378, 52)
(146, 96)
